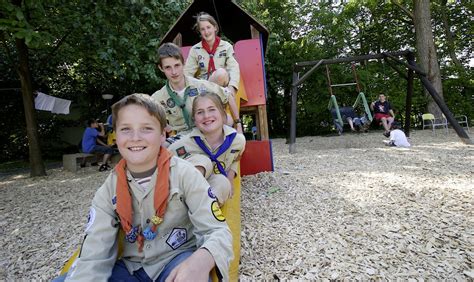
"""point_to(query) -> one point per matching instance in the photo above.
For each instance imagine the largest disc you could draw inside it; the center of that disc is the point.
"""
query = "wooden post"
(294, 93)
(410, 75)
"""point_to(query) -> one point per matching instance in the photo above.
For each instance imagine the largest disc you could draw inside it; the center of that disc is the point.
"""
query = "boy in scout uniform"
(177, 95)
(173, 226)
(212, 58)
(212, 147)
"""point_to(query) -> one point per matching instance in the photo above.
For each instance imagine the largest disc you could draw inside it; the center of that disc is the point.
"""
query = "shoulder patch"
(193, 92)
(181, 152)
(217, 212)
(178, 237)
(210, 193)
(90, 219)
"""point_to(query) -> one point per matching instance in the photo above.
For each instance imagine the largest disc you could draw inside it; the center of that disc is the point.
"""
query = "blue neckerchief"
(227, 142)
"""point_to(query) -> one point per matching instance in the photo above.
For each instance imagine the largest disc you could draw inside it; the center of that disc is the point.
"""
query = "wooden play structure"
(250, 40)
(411, 68)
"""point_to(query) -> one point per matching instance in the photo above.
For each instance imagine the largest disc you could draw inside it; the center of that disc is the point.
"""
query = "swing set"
(360, 97)
(410, 68)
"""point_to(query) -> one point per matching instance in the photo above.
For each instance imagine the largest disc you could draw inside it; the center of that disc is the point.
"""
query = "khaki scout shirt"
(174, 114)
(187, 147)
(192, 220)
(198, 62)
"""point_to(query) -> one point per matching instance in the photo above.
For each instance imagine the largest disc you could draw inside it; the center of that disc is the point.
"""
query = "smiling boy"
(172, 227)
(180, 90)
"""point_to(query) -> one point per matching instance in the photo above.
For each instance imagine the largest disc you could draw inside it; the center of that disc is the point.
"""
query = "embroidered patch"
(210, 193)
(163, 103)
(202, 89)
(90, 218)
(114, 200)
(216, 170)
(181, 151)
(223, 54)
(177, 238)
(170, 103)
(216, 211)
(234, 151)
(193, 92)
(201, 64)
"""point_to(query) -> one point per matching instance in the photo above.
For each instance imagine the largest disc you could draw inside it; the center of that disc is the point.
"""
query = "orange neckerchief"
(211, 67)
(162, 191)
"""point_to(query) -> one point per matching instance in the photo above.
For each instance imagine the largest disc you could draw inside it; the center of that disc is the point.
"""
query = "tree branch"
(410, 14)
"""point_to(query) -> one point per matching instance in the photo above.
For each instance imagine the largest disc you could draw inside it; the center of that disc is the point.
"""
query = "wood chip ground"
(341, 208)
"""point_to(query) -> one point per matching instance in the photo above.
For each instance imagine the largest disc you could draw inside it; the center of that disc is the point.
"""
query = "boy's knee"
(220, 77)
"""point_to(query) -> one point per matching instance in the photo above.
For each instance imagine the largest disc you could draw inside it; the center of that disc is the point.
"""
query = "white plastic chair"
(462, 119)
(429, 120)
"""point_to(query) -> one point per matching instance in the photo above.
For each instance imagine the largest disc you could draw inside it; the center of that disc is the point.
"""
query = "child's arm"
(191, 66)
(211, 230)
(99, 248)
(237, 148)
(232, 67)
(194, 268)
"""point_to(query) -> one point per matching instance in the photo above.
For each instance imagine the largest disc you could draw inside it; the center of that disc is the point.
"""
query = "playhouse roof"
(233, 21)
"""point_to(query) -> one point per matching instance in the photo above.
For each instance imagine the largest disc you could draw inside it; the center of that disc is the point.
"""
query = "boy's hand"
(195, 268)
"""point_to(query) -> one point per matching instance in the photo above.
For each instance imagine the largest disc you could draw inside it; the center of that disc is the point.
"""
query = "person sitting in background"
(92, 144)
(397, 137)
(383, 113)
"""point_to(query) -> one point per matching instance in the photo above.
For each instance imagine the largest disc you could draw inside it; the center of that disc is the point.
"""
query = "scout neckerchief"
(227, 142)
(180, 103)
(160, 200)
(211, 67)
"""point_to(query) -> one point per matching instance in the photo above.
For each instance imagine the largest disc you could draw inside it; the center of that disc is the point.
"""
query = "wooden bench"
(70, 161)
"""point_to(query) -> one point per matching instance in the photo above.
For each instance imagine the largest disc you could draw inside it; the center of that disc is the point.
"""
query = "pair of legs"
(107, 151)
(120, 271)
(386, 120)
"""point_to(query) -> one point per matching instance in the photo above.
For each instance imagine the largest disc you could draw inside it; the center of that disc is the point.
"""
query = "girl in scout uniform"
(173, 227)
(213, 147)
(213, 59)
(177, 95)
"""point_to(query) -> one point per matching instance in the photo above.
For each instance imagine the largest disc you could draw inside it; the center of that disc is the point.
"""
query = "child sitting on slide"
(213, 147)
(174, 229)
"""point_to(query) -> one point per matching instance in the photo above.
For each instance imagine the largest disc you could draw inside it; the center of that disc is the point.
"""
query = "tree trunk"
(426, 51)
(36, 161)
(449, 35)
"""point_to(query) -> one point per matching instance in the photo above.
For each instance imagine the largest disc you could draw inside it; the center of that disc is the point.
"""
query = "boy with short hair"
(180, 90)
(90, 140)
(173, 226)
(397, 137)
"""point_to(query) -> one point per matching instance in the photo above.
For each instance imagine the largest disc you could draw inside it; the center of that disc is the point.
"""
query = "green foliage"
(304, 31)
(79, 50)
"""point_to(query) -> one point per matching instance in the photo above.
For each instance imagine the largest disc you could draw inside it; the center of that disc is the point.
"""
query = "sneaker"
(103, 167)
(386, 134)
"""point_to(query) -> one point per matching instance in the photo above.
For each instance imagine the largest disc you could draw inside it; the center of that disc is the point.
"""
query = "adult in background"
(92, 144)
(383, 113)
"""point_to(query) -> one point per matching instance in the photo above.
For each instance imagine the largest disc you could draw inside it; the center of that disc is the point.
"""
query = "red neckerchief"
(211, 67)
(162, 191)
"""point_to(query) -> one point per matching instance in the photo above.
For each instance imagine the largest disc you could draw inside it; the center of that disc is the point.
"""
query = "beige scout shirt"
(187, 148)
(191, 221)
(198, 61)
(174, 114)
